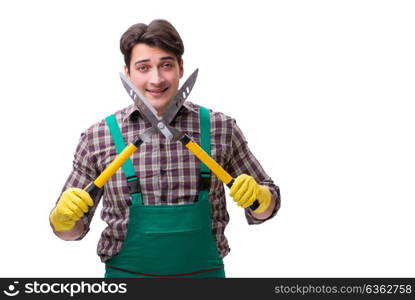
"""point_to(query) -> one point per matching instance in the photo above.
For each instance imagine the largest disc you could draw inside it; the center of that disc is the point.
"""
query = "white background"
(323, 91)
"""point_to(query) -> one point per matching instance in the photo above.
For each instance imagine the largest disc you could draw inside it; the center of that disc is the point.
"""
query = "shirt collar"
(132, 112)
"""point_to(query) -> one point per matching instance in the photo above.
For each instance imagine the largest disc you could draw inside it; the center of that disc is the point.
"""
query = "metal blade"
(146, 135)
(177, 101)
(148, 111)
(139, 100)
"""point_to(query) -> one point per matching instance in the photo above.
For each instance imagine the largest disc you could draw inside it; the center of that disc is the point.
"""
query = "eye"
(167, 65)
(143, 68)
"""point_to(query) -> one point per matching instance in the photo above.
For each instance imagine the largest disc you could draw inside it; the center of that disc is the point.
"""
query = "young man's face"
(156, 73)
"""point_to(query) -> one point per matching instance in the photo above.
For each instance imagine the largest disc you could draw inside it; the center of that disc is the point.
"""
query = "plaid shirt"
(168, 172)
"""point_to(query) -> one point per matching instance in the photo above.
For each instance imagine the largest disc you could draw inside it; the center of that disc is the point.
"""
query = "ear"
(126, 73)
(181, 68)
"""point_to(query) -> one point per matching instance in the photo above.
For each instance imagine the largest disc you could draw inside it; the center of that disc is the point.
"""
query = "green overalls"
(167, 240)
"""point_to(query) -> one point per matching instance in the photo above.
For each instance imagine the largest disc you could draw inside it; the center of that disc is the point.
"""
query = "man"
(166, 214)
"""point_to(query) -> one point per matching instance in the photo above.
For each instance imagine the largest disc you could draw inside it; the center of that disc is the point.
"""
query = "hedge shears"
(161, 124)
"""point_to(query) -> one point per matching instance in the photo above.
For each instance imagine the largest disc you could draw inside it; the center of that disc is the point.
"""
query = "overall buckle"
(204, 181)
(133, 183)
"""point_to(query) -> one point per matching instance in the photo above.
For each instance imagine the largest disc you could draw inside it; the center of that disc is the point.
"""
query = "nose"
(156, 77)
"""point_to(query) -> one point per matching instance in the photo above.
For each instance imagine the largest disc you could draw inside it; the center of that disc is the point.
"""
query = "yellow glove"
(70, 208)
(245, 190)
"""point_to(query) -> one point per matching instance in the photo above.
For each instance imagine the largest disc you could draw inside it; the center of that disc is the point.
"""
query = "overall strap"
(205, 174)
(132, 180)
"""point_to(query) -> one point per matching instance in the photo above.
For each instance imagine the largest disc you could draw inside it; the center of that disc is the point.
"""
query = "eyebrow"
(147, 60)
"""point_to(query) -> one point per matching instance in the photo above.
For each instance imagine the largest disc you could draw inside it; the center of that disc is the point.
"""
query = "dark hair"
(159, 33)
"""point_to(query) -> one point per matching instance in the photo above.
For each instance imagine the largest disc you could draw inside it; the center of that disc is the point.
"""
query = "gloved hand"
(71, 206)
(245, 190)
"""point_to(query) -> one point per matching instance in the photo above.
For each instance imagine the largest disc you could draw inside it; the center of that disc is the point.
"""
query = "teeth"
(157, 91)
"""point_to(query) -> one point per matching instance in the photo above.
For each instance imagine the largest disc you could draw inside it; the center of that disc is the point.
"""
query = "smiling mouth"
(157, 92)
